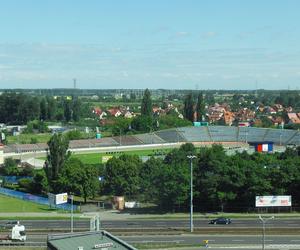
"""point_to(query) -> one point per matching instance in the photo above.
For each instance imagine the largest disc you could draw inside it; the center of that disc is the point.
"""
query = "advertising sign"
(273, 201)
(105, 158)
(55, 199)
(61, 198)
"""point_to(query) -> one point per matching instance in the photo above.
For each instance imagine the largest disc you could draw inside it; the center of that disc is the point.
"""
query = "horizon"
(193, 45)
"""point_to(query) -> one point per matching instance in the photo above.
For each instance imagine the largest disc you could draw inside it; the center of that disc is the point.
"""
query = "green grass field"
(13, 205)
(96, 158)
(26, 138)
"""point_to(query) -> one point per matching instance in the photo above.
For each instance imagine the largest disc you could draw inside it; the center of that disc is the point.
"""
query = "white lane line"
(238, 240)
(157, 241)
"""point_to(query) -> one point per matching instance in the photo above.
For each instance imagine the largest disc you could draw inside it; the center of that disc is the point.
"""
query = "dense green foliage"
(122, 175)
(21, 108)
(56, 157)
(188, 110)
(221, 182)
(77, 178)
(200, 108)
(146, 107)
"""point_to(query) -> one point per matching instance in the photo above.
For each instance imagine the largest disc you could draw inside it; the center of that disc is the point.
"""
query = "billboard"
(56, 199)
(273, 201)
(105, 158)
(61, 198)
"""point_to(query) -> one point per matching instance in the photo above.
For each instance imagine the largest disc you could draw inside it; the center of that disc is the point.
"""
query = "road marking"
(158, 241)
(238, 240)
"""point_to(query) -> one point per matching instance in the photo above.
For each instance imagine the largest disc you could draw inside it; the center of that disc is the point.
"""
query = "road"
(228, 241)
(155, 224)
(155, 236)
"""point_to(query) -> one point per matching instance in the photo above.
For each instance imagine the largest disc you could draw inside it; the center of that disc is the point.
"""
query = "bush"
(73, 135)
(25, 183)
(10, 167)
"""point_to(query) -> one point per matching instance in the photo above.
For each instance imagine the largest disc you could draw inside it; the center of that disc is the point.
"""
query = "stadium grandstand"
(205, 135)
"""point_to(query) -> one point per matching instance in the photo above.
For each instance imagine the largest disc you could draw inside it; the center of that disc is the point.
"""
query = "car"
(9, 224)
(221, 220)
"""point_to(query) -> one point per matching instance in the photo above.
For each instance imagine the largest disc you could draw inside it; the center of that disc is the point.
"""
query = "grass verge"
(13, 205)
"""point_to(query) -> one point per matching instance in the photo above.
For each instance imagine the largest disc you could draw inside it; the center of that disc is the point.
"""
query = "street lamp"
(264, 221)
(191, 157)
(72, 219)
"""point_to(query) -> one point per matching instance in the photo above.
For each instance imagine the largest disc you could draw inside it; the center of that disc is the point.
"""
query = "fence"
(35, 199)
(14, 179)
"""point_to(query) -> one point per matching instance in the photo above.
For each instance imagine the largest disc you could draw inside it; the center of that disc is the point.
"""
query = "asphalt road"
(162, 224)
(228, 241)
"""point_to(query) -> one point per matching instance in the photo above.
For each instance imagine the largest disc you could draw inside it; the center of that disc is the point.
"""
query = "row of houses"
(216, 113)
(222, 112)
(127, 113)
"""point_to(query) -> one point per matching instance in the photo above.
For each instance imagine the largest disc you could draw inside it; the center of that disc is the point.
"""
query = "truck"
(18, 234)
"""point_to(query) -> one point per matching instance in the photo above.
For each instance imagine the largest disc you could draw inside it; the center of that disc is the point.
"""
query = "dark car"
(221, 220)
(9, 224)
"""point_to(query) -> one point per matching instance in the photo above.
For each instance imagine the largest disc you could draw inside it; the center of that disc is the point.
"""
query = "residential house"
(278, 107)
(293, 118)
(128, 114)
(114, 112)
(228, 118)
(277, 121)
(245, 114)
(99, 112)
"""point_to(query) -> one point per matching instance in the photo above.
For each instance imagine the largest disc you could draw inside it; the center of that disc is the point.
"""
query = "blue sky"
(171, 44)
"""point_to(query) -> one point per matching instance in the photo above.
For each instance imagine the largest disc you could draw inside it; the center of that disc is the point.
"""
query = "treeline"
(221, 182)
(20, 108)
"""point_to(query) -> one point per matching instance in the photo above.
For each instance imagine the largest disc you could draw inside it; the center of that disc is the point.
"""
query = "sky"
(168, 44)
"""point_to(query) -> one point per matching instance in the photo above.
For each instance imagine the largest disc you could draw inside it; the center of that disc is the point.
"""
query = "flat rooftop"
(86, 241)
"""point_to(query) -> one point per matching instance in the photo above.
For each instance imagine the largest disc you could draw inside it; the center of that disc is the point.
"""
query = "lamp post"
(72, 220)
(191, 157)
(264, 221)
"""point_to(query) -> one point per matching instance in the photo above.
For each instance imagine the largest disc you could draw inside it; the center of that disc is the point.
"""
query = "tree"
(10, 167)
(142, 123)
(39, 184)
(51, 108)
(79, 179)
(173, 185)
(122, 175)
(67, 110)
(146, 107)
(70, 177)
(76, 109)
(171, 121)
(150, 177)
(90, 182)
(188, 110)
(200, 108)
(43, 110)
(56, 157)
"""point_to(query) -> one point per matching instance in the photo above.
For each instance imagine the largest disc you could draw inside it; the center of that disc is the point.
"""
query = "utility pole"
(191, 157)
(264, 221)
(72, 219)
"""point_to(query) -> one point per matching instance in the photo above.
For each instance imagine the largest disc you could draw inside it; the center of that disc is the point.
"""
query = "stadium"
(229, 137)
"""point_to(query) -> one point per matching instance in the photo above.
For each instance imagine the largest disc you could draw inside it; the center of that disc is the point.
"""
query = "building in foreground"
(101, 240)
